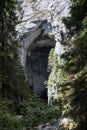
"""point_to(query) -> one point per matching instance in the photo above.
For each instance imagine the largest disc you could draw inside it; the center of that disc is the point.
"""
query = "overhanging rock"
(34, 52)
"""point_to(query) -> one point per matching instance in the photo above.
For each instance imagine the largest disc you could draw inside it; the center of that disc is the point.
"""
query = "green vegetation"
(74, 81)
(72, 67)
(36, 112)
(18, 106)
(53, 65)
(12, 80)
(15, 96)
(32, 113)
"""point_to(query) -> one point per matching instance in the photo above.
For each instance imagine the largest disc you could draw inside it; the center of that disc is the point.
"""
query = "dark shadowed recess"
(37, 69)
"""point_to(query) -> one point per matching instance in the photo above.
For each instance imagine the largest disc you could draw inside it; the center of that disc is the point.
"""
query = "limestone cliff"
(39, 28)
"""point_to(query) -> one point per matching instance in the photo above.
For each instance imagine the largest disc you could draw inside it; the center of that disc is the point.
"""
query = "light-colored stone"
(61, 124)
(37, 19)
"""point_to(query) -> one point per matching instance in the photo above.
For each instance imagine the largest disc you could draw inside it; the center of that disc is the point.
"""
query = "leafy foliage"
(32, 113)
(7, 117)
(75, 64)
(36, 112)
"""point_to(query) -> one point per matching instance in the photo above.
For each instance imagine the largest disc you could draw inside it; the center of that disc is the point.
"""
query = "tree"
(74, 87)
(8, 22)
(12, 79)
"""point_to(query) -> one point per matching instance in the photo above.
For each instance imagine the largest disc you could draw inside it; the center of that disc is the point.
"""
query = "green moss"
(53, 63)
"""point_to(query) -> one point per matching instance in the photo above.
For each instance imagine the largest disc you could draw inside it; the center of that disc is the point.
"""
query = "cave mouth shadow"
(37, 69)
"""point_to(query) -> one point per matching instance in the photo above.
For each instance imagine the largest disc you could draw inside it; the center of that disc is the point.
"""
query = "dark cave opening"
(37, 69)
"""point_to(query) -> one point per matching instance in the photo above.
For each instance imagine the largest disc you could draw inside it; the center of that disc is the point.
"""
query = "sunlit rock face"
(40, 24)
(35, 11)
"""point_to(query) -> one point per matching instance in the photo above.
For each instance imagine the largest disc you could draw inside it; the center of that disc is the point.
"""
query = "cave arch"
(36, 65)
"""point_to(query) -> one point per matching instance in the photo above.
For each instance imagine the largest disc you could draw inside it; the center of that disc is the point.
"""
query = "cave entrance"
(37, 68)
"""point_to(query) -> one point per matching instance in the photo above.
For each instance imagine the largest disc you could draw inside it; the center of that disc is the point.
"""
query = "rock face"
(38, 32)
(35, 48)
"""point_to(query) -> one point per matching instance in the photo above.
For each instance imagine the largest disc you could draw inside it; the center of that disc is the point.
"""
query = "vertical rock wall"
(37, 19)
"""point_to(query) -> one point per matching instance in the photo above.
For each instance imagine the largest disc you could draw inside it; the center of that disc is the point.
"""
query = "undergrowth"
(31, 113)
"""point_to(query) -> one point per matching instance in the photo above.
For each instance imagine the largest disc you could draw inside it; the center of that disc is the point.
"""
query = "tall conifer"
(76, 62)
(8, 22)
